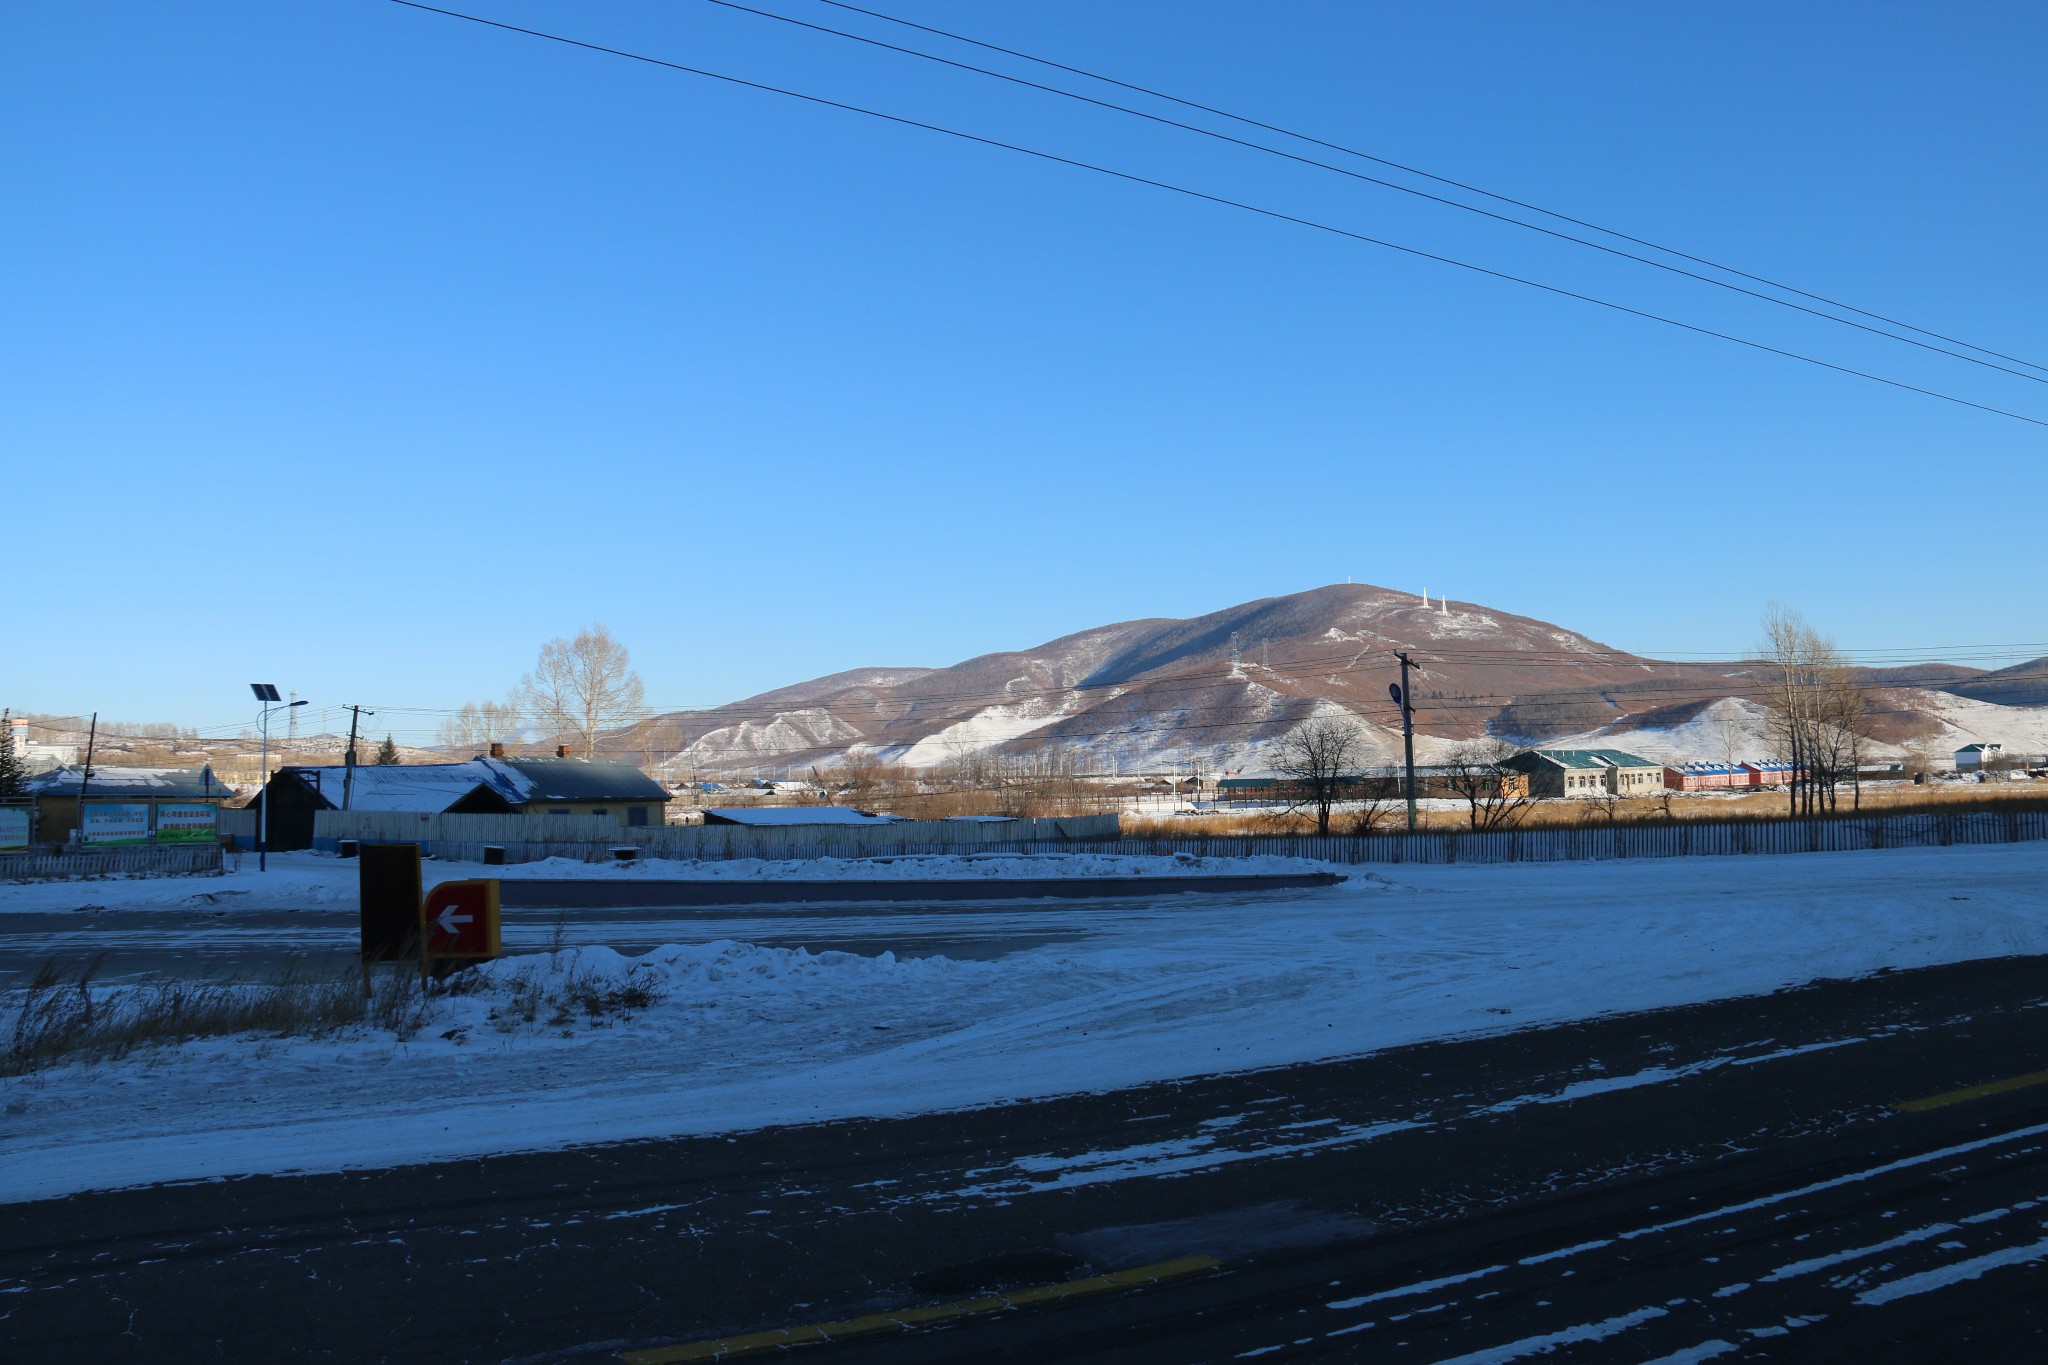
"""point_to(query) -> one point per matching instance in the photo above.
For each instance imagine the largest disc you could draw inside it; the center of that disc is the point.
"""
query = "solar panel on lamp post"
(266, 693)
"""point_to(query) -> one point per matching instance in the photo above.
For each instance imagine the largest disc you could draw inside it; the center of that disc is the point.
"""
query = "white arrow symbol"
(448, 919)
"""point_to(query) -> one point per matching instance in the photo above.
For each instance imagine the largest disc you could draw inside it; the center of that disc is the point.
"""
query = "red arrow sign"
(460, 919)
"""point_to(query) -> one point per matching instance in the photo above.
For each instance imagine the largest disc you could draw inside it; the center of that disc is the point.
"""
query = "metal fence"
(1607, 842)
(196, 860)
(529, 838)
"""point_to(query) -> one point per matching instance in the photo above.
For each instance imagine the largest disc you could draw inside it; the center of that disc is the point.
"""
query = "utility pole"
(85, 778)
(1401, 695)
(291, 726)
(348, 772)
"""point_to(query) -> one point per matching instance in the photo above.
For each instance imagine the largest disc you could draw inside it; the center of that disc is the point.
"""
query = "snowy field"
(735, 1036)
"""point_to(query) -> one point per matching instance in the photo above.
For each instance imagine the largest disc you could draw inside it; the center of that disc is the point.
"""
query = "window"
(636, 815)
(600, 811)
(560, 810)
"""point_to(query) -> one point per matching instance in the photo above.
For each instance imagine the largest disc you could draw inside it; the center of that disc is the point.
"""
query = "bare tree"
(1478, 774)
(477, 726)
(1378, 802)
(580, 688)
(1818, 712)
(1321, 756)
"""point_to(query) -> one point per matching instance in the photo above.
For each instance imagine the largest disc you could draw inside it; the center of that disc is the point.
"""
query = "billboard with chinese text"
(192, 822)
(114, 825)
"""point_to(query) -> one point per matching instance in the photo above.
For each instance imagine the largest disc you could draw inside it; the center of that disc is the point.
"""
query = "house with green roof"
(1588, 772)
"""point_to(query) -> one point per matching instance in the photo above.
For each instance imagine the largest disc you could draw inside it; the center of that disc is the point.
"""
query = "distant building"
(786, 816)
(39, 756)
(1588, 772)
(1693, 777)
(1974, 757)
(1771, 773)
(480, 786)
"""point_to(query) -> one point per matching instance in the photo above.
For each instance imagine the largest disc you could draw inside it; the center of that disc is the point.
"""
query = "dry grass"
(1555, 813)
(69, 1019)
(558, 1000)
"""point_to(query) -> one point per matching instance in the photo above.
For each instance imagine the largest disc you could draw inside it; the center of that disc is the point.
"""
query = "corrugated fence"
(465, 837)
(1588, 843)
(527, 838)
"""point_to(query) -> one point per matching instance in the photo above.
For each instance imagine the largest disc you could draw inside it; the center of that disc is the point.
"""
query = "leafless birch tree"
(580, 688)
(478, 726)
(1818, 713)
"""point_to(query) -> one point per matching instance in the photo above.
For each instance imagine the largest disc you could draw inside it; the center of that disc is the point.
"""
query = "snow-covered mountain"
(1222, 688)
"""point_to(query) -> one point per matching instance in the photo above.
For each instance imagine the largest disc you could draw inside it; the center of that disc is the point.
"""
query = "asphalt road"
(1634, 1187)
(219, 937)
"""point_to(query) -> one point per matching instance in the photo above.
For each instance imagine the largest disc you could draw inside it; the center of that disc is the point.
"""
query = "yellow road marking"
(725, 1348)
(1975, 1092)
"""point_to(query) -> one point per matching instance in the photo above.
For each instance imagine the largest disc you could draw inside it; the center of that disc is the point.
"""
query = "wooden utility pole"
(85, 778)
(1408, 736)
(348, 775)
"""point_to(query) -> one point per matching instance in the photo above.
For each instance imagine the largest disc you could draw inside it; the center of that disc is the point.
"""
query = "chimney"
(561, 751)
(497, 749)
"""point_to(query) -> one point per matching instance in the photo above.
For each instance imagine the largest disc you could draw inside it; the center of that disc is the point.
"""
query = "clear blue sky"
(362, 350)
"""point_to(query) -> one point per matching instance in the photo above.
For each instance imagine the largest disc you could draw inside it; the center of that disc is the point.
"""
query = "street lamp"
(266, 693)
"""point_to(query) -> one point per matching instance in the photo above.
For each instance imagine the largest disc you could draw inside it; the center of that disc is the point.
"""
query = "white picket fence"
(189, 860)
(528, 838)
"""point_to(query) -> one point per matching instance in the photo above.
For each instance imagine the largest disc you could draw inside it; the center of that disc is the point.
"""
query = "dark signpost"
(456, 922)
(388, 890)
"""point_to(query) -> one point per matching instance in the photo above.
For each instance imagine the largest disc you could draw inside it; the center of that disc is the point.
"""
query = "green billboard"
(187, 823)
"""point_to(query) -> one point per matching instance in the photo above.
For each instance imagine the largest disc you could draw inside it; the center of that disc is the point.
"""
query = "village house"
(492, 785)
(1588, 772)
(1694, 777)
(1977, 757)
(125, 806)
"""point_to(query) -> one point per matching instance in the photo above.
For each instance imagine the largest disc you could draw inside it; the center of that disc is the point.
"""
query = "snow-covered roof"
(578, 779)
(65, 781)
(795, 815)
(1593, 758)
(431, 788)
(428, 788)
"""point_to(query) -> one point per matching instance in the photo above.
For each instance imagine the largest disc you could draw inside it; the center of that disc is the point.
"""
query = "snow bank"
(726, 1036)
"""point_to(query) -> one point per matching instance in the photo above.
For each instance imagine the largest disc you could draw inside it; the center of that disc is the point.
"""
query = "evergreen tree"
(387, 753)
(13, 768)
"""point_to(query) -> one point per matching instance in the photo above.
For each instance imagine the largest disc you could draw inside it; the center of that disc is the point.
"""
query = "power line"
(1385, 184)
(1426, 175)
(1225, 202)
